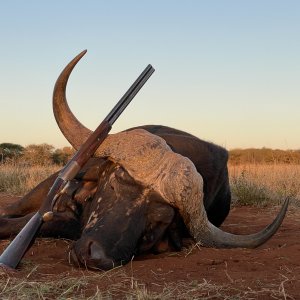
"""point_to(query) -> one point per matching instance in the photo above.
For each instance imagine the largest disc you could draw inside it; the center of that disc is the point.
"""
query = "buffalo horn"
(71, 128)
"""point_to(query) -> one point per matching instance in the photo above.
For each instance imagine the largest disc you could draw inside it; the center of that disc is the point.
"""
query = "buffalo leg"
(62, 225)
(31, 202)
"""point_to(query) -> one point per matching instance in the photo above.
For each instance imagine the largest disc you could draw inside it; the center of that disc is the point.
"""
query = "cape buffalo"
(146, 185)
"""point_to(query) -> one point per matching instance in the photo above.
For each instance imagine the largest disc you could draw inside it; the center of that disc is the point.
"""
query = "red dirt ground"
(268, 272)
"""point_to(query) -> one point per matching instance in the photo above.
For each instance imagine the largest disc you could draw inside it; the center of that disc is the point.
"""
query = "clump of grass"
(246, 192)
(17, 179)
(265, 184)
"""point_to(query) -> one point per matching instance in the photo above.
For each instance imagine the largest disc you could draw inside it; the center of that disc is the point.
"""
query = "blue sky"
(226, 71)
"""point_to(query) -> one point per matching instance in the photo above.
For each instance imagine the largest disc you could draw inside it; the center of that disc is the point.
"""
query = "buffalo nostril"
(95, 251)
(97, 257)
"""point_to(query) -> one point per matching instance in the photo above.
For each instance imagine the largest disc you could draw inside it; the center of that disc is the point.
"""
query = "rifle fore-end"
(89, 147)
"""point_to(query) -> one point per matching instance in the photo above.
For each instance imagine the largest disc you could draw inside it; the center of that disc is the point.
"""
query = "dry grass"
(251, 184)
(88, 286)
(264, 184)
(18, 180)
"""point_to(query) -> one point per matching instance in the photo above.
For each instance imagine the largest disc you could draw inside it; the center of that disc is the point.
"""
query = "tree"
(9, 151)
(61, 156)
(38, 154)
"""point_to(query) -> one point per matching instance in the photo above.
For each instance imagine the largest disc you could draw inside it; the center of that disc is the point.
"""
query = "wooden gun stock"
(13, 254)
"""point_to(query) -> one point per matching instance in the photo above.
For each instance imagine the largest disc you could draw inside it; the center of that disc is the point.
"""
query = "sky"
(226, 71)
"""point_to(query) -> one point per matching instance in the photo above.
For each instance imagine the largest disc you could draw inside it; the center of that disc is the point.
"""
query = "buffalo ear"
(159, 216)
(176, 232)
(173, 237)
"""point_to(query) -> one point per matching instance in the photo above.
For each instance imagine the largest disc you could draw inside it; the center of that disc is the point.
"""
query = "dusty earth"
(271, 271)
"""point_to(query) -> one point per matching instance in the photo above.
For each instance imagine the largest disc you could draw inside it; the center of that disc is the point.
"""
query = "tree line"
(264, 156)
(42, 154)
(45, 154)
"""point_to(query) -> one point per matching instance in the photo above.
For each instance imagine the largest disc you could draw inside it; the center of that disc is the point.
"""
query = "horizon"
(227, 72)
(231, 149)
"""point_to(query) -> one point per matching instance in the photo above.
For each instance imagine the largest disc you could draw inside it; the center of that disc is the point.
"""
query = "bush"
(263, 184)
(247, 192)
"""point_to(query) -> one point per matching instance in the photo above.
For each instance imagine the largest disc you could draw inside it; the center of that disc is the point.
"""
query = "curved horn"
(183, 188)
(71, 128)
(215, 237)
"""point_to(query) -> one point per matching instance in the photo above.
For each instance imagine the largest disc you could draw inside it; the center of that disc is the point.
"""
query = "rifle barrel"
(129, 95)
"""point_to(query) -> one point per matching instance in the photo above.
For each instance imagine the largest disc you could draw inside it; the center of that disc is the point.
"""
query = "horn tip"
(78, 57)
(83, 52)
